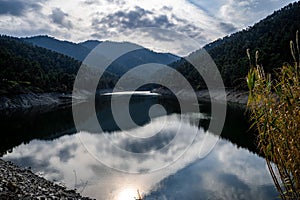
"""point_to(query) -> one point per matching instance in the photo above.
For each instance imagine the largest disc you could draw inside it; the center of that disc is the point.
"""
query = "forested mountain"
(70, 49)
(271, 37)
(120, 66)
(26, 68)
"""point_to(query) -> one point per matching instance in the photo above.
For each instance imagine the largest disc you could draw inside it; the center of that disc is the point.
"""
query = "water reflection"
(24, 126)
(227, 172)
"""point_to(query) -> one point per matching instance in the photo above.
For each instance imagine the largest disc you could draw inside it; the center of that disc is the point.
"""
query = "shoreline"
(47, 101)
(19, 183)
(20, 102)
(232, 96)
(239, 97)
(32, 100)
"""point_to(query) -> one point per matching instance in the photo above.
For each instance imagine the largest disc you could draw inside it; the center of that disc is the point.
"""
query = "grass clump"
(275, 111)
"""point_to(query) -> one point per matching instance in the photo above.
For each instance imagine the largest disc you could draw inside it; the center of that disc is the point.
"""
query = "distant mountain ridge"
(90, 44)
(120, 66)
(70, 49)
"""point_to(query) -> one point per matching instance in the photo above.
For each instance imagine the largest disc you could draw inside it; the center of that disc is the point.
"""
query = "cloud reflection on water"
(227, 172)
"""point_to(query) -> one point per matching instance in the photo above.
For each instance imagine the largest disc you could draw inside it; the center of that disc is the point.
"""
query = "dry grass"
(275, 111)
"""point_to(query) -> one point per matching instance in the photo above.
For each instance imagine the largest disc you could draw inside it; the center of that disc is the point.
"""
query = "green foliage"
(42, 70)
(26, 68)
(275, 111)
(270, 36)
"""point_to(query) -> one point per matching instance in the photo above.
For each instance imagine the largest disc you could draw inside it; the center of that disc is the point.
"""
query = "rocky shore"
(17, 183)
(41, 100)
(49, 100)
(30, 100)
(232, 96)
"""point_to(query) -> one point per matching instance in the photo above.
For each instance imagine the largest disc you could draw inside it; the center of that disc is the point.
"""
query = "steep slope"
(26, 68)
(271, 37)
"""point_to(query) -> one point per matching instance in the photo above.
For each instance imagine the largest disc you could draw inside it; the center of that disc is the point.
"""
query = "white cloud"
(247, 12)
(59, 17)
(203, 21)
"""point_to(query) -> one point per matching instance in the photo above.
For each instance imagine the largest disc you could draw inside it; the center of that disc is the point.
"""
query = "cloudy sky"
(201, 20)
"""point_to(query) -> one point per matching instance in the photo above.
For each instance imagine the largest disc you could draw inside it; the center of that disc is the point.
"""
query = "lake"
(48, 143)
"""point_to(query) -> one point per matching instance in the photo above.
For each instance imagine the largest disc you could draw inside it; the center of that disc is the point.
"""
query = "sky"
(150, 23)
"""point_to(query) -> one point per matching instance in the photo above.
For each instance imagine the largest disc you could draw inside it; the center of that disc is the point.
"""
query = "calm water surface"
(49, 143)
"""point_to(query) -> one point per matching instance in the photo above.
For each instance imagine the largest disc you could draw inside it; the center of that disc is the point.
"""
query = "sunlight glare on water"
(127, 193)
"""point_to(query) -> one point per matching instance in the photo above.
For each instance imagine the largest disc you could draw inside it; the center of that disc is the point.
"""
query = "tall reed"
(274, 105)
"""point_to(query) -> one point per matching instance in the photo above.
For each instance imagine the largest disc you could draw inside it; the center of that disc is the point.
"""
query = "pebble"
(18, 183)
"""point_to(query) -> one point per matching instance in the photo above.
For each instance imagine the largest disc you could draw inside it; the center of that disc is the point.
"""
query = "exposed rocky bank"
(232, 95)
(30, 100)
(48, 100)
(17, 183)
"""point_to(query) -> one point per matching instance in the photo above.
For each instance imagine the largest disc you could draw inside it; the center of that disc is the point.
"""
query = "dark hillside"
(26, 68)
(271, 36)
